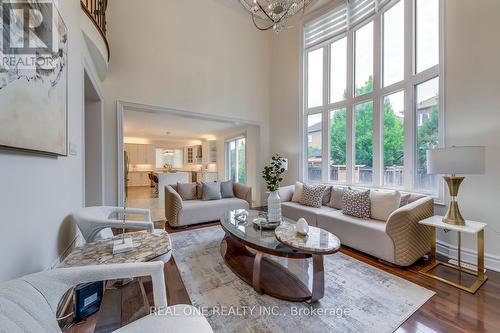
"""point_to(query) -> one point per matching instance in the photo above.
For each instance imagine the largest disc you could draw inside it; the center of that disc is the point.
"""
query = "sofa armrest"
(243, 192)
(286, 193)
(173, 205)
(411, 239)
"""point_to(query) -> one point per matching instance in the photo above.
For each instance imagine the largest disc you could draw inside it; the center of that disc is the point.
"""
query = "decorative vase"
(274, 207)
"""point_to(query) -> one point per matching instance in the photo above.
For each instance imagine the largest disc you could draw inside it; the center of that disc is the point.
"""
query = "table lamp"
(451, 162)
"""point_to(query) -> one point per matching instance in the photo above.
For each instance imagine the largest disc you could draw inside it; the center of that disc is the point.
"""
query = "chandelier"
(273, 14)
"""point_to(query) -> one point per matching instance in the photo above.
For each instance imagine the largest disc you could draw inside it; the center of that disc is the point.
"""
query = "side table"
(470, 227)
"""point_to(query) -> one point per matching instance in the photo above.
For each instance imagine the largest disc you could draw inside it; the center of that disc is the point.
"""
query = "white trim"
(491, 261)
(87, 71)
(121, 105)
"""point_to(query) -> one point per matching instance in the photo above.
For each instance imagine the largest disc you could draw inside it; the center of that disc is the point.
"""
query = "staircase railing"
(96, 11)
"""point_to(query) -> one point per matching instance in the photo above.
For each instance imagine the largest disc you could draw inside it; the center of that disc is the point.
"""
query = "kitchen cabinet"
(140, 154)
(136, 178)
(193, 155)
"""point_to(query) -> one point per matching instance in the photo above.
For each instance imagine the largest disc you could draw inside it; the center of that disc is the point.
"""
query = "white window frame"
(409, 83)
(227, 154)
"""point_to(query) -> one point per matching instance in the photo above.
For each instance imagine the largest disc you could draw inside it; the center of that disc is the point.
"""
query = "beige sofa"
(180, 212)
(400, 240)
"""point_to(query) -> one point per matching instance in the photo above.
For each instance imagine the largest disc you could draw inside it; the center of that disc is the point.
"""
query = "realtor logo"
(27, 27)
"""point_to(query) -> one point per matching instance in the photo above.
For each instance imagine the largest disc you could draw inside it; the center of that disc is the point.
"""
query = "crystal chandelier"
(273, 14)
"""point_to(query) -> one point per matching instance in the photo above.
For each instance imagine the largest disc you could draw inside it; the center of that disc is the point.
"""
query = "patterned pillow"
(312, 195)
(356, 203)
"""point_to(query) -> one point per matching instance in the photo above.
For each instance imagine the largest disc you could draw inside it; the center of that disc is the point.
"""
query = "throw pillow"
(337, 192)
(211, 191)
(226, 189)
(297, 193)
(327, 195)
(356, 203)
(383, 203)
(312, 195)
(187, 191)
(404, 200)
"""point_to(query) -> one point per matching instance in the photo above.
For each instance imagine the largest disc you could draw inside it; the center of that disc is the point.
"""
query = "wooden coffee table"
(244, 245)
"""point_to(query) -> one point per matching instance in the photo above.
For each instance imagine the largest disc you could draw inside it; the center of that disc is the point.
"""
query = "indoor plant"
(273, 175)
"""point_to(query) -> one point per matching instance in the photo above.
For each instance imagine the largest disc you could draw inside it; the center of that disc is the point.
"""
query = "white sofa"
(180, 212)
(400, 240)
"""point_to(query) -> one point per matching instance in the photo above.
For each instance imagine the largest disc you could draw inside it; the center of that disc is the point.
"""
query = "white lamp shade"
(456, 161)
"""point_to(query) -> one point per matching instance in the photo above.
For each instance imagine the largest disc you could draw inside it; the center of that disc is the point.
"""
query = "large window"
(372, 88)
(236, 166)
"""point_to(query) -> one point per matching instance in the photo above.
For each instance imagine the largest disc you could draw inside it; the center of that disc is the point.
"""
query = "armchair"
(29, 304)
(95, 223)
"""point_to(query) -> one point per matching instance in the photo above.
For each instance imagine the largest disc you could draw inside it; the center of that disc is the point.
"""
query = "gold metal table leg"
(480, 276)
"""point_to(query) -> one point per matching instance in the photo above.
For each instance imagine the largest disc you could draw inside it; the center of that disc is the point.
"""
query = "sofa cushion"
(200, 211)
(295, 211)
(404, 199)
(187, 191)
(356, 203)
(226, 189)
(312, 195)
(211, 191)
(383, 203)
(368, 236)
(336, 195)
(297, 193)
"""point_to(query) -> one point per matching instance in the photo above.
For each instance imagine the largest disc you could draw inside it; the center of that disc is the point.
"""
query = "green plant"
(273, 173)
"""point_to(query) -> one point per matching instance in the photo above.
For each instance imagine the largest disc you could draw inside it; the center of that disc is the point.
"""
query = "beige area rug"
(358, 297)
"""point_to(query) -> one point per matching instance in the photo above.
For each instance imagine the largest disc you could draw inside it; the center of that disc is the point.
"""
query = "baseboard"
(491, 262)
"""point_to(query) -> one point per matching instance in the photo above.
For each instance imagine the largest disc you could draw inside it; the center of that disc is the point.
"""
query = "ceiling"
(154, 126)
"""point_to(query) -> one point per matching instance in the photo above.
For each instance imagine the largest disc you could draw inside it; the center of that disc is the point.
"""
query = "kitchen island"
(170, 177)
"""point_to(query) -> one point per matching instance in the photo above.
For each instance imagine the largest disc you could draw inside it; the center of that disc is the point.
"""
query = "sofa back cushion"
(226, 189)
(356, 203)
(312, 195)
(336, 195)
(297, 193)
(383, 204)
(211, 191)
(187, 191)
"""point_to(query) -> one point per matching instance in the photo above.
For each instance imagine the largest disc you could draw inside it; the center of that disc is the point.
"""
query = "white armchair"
(95, 223)
(29, 304)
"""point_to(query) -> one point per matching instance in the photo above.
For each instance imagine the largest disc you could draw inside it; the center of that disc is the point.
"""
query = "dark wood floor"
(450, 310)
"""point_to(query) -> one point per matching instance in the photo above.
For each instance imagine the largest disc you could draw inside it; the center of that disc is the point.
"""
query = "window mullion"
(325, 170)
(377, 113)
(409, 120)
(350, 110)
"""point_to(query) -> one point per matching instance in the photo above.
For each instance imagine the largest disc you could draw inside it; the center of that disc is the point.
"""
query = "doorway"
(93, 151)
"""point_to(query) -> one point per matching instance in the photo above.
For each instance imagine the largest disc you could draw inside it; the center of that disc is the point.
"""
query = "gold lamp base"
(453, 215)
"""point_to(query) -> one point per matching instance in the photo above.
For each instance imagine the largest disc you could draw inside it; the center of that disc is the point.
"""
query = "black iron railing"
(96, 11)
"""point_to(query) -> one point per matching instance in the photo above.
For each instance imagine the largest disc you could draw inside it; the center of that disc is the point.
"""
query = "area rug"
(358, 297)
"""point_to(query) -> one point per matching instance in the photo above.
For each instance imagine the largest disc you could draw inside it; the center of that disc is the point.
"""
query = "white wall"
(38, 192)
(196, 55)
(472, 60)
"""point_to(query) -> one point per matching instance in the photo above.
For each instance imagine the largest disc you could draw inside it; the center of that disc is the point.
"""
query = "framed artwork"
(33, 77)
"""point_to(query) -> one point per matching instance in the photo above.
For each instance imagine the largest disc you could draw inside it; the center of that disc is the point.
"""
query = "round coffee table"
(244, 245)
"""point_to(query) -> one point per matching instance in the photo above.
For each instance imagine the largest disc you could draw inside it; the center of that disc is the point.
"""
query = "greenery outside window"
(371, 94)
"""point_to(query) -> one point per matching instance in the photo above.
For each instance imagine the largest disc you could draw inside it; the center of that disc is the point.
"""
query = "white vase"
(274, 207)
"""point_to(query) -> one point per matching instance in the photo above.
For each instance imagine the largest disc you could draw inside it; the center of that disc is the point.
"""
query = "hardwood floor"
(450, 310)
